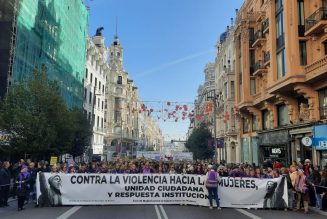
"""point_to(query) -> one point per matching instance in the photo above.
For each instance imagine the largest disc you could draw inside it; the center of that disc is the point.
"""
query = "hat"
(209, 166)
(307, 161)
(24, 166)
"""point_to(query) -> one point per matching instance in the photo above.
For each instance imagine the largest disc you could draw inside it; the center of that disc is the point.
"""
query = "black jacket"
(5, 176)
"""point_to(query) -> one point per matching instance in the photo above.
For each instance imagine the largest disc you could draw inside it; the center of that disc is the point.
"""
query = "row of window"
(97, 84)
(97, 101)
(99, 120)
(283, 114)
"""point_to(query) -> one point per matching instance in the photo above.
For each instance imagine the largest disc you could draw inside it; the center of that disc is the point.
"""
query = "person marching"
(211, 182)
(23, 179)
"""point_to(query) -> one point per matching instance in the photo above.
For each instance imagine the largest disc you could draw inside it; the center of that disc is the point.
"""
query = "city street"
(146, 212)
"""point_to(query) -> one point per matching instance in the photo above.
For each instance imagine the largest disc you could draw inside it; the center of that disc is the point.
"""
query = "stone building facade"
(280, 77)
(227, 124)
(94, 90)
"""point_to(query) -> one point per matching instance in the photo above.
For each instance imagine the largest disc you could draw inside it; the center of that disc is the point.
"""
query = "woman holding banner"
(212, 186)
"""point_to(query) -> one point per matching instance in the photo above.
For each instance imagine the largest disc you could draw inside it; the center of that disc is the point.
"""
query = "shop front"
(299, 149)
(274, 145)
(250, 150)
(320, 143)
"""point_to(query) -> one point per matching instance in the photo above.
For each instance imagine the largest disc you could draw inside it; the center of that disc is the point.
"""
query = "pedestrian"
(211, 182)
(290, 188)
(32, 181)
(321, 190)
(302, 191)
(5, 177)
(22, 186)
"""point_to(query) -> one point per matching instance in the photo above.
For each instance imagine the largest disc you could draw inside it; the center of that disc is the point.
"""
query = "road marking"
(250, 215)
(163, 212)
(69, 213)
(157, 211)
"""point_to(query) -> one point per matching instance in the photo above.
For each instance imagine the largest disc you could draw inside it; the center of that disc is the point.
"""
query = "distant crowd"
(307, 184)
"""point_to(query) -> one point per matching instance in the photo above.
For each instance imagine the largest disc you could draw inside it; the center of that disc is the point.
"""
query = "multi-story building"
(204, 105)
(127, 120)
(51, 33)
(280, 78)
(227, 124)
(97, 69)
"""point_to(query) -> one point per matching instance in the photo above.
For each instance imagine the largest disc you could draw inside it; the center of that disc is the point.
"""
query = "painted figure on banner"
(50, 191)
(275, 193)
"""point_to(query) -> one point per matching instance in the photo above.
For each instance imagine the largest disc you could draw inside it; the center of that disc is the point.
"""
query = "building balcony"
(316, 22)
(260, 16)
(259, 39)
(266, 58)
(265, 26)
(316, 70)
(259, 68)
(99, 129)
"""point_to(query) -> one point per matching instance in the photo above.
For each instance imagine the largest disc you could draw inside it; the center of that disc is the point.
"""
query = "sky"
(167, 44)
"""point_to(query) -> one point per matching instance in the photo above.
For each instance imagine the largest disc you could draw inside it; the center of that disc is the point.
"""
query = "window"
(102, 105)
(86, 73)
(98, 102)
(303, 53)
(232, 90)
(245, 126)
(101, 122)
(85, 94)
(266, 124)
(325, 47)
(283, 117)
(281, 60)
(251, 36)
(98, 121)
(301, 20)
(90, 98)
(252, 61)
(95, 82)
(254, 123)
(99, 86)
(120, 80)
(103, 89)
(89, 117)
(91, 79)
(225, 91)
(279, 5)
(253, 86)
(323, 103)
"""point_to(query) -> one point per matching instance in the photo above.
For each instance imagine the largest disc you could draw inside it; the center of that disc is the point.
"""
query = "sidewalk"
(315, 210)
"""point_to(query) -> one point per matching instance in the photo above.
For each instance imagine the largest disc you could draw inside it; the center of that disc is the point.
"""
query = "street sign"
(306, 141)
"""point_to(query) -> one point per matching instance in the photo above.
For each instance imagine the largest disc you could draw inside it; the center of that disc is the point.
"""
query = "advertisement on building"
(320, 142)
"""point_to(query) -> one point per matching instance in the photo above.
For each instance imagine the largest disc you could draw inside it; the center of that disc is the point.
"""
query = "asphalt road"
(146, 212)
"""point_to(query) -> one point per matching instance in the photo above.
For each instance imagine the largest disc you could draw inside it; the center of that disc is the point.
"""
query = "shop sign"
(306, 141)
(320, 137)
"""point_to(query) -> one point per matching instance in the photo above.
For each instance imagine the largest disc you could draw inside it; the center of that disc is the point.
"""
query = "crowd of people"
(307, 184)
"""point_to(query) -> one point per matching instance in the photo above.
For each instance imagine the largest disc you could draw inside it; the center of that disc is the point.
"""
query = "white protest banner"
(152, 155)
(183, 156)
(119, 189)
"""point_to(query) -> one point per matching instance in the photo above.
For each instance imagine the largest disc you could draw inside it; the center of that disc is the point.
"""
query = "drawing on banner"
(274, 195)
(50, 191)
